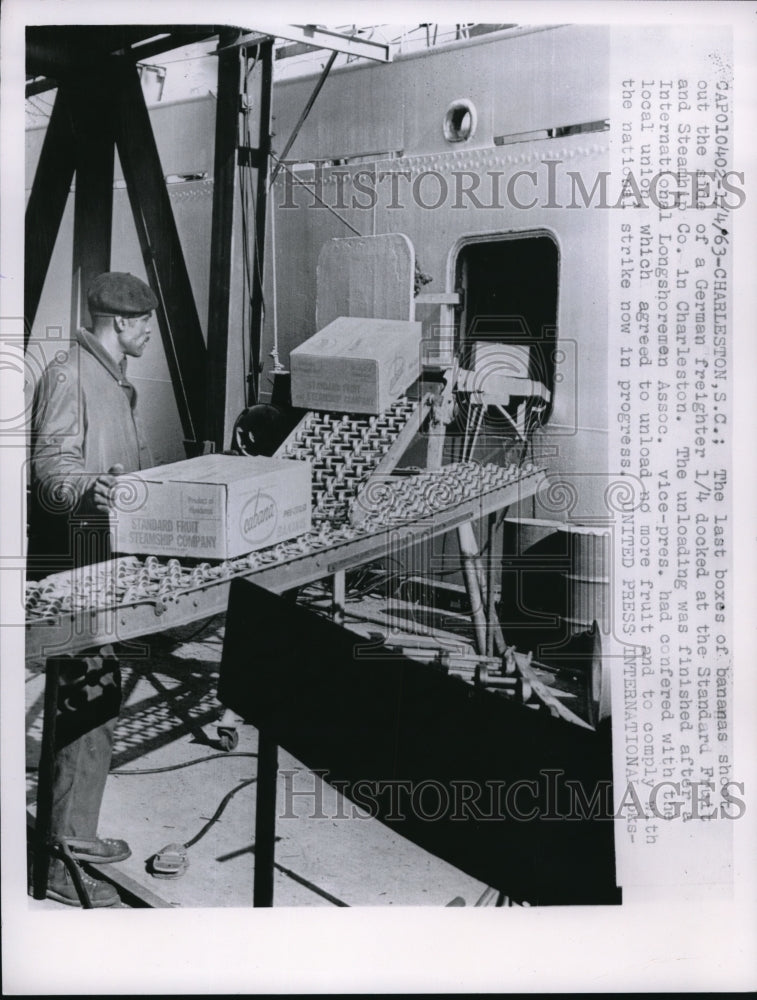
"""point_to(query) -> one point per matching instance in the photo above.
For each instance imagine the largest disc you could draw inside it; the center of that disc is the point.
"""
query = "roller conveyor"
(130, 597)
(345, 450)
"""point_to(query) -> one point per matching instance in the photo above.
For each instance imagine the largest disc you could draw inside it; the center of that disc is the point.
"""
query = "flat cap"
(116, 293)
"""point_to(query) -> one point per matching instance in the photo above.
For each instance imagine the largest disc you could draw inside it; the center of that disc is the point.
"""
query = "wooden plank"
(129, 887)
(133, 891)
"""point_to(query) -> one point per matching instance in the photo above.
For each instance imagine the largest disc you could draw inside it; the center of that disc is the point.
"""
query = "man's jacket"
(84, 422)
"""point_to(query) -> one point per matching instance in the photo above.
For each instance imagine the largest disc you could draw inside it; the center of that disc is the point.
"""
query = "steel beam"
(163, 257)
(47, 202)
(321, 38)
(71, 51)
(225, 195)
(178, 37)
(93, 202)
(265, 820)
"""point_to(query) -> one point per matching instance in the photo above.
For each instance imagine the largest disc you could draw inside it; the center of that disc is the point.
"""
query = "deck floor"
(170, 716)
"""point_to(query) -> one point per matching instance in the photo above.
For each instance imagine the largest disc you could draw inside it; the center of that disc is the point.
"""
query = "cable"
(185, 763)
(217, 814)
(315, 194)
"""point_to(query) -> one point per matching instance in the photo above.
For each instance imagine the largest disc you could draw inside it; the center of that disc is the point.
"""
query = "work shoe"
(60, 887)
(101, 851)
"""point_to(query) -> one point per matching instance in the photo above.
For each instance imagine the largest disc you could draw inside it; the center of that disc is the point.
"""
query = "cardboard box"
(211, 507)
(356, 365)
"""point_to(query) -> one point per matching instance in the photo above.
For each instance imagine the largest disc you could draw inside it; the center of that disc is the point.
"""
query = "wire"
(217, 814)
(185, 763)
(314, 193)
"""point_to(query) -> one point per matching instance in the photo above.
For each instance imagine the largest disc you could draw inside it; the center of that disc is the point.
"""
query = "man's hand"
(102, 489)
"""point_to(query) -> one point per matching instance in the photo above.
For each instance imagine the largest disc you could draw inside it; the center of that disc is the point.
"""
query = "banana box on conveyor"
(356, 365)
(211, 507)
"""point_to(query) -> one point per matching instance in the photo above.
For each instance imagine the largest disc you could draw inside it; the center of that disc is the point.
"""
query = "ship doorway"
(510, 288)
(509, 297)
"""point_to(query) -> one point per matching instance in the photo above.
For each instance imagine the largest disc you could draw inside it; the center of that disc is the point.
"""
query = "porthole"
(460, 121)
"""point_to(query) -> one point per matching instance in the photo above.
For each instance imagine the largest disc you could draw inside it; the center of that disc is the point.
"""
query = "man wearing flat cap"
(85, 432)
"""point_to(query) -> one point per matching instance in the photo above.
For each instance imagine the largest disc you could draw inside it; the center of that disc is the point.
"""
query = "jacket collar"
(93, 346)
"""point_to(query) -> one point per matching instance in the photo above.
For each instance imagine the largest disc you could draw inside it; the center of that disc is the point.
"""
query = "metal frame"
(91, 114)
(98, 626)
(93, 198)
(47, 203)
(321, 38)
(225, 194)
(80, 139)
(161, 250)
